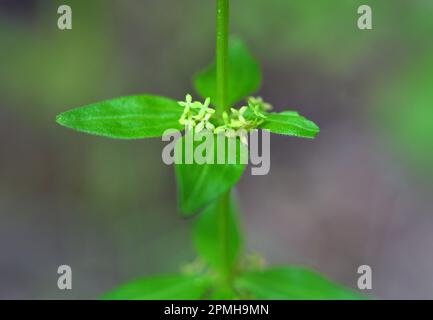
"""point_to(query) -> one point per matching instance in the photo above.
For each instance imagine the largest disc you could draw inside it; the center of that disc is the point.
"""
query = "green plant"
(222, 271)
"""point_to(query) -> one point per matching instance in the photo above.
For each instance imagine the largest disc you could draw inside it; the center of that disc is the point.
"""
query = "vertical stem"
(223, 225)
(222, 48)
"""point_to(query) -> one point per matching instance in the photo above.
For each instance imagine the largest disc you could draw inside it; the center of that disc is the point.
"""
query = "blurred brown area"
(358, 194)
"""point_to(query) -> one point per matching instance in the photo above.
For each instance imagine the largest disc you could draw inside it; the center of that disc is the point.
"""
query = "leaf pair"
(199, 187)
(279, 283)
(271, 284)
(148, 116)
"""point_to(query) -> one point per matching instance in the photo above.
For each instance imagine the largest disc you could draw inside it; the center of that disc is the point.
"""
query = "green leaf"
(200, 184)
(290, 123)
(244, 75)
(292, 283)
(165, 287)
(208, 237)
(131, 117)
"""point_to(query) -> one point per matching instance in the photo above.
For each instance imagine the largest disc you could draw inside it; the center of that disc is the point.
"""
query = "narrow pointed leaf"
(292, 283)
(165, 287)
(208, 237)
(131, 117)
(244, 75)
(290, 123)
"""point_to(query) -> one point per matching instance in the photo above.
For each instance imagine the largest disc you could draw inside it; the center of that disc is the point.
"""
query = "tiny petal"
(244, 139)
(236, 123)
(199, 127)
(207, 102)
(210, 126)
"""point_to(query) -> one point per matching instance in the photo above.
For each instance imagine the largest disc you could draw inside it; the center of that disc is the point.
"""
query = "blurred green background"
(361, 193)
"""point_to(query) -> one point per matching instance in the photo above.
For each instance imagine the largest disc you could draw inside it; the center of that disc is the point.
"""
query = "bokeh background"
(361, 193)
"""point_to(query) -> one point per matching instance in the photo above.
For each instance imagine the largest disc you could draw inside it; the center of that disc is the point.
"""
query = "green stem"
(222, 48)
(223, 226)
(222, 51)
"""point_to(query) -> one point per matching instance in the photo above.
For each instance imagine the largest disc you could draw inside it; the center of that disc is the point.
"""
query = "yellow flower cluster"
(198, 116)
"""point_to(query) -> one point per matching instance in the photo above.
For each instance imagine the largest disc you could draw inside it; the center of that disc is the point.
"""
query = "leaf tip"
(60, 119)
(315, 128)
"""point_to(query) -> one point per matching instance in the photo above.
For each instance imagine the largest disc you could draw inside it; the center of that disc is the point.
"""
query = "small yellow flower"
(196, 114)
(258, 102)
(187, 104)
(204, 110)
